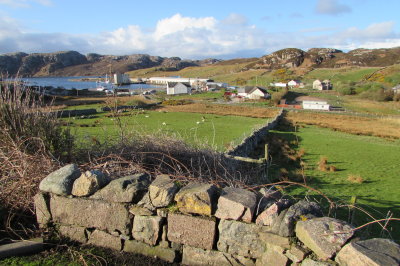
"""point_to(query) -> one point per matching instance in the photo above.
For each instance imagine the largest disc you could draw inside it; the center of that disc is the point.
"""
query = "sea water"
(77, 83)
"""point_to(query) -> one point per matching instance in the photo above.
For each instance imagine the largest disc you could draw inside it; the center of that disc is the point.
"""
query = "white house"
(316, 105)
(396, 89)
(174, 88)
(121, 78)
(294, 83)
(279, 84)
(322, 85)
(165, 80)
(254, 93)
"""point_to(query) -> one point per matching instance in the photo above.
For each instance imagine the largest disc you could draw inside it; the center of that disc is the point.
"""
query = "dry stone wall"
(199, 224)
(251, 142)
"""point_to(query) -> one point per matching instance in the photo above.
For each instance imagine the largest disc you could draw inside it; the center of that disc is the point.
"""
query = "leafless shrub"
(32, 139)
(162, 154)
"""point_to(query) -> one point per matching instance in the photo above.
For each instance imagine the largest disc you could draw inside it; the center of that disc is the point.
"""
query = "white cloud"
(331, 7)
(25, 3)
(195, 38)
(177, 23)
(373, 31)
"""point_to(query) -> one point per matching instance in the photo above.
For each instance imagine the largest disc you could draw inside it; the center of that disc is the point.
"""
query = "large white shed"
(316, 105)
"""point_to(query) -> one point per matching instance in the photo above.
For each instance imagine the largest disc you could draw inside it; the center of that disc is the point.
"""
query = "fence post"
(353, 202)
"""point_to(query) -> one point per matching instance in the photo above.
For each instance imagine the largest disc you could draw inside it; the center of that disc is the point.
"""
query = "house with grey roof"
(174, 88)
(253, 92)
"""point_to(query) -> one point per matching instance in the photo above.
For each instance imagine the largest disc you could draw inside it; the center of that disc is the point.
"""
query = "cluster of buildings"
(178, 85)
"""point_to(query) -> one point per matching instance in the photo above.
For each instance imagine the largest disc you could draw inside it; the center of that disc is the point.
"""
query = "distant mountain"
(328, 58)
(72, 63)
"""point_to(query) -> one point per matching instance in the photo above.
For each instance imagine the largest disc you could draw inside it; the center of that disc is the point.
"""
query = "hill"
(297, 61)
(72, 63)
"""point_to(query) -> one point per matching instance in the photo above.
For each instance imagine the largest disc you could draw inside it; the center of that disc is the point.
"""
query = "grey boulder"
(60, 182)
(124, 189)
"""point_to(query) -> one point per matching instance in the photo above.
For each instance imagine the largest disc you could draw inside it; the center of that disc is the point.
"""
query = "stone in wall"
(196, 256)
(270, 215)
(310, 262)
(162, 191)
(274, 241)
(325, 236)
(147, 229)
(102, 239)
(124, 189)
(272, 258)
(145, 203)
(284, 224)
(376, 251)
(193, 231)
(134, 246)
(268, 197)
(197, 198)
(88, 183)
(236, 204)
(60, 181)
(90, 213)
(297, 254)
(239, 238)
(75, 233)
(43, 215)
(136, 210)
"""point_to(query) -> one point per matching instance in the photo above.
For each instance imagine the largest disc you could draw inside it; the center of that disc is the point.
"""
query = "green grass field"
(341, 74)
(374, 159)
(218, 132)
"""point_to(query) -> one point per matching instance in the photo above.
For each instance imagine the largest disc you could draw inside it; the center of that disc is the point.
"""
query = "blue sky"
(196, 29)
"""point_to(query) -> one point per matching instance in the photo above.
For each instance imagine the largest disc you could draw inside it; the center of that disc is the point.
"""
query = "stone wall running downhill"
(199, 224)
(248, 144)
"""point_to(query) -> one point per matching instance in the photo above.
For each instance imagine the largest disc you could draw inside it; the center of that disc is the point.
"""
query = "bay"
(76, 83)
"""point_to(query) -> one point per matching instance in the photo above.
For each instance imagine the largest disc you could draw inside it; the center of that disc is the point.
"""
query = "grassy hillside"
(373, 159)
(215, 131)
(339, 74)
(227, 71)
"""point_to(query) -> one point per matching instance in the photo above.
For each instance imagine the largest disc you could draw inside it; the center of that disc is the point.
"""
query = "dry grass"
(32, 141)
(369, 126)
(122, 100)
(355, 179)
(323, 164)
(332, 168)
(220, 109)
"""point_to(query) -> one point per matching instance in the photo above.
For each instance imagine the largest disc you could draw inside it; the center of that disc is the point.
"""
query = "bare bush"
(32, 141)
(162, 154)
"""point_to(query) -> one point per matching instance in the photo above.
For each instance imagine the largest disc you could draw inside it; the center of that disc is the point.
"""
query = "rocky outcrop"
(329, 58)
(72, 63)
(319, 55)
(46, 64)
(285, 58)
(10, 63)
